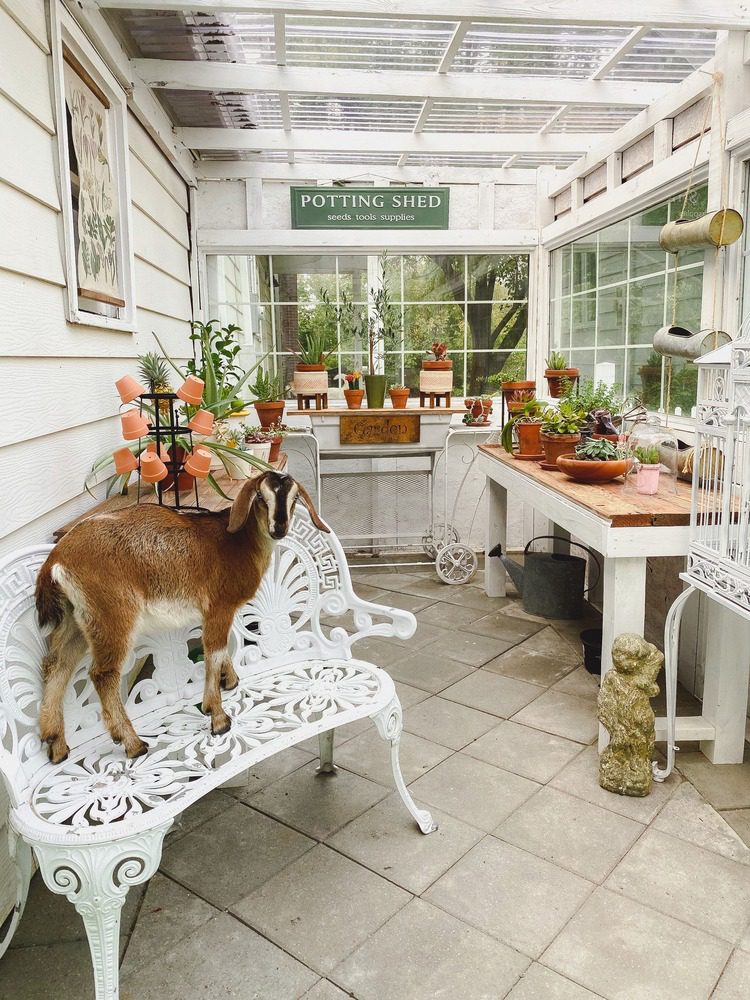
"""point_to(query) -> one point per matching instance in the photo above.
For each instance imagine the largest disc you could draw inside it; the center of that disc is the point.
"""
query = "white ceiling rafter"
(353, 140)
(713, 15)
(279, 39)
(178, 74)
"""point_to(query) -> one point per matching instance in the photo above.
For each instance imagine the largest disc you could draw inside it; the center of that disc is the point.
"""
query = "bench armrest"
(399, 624)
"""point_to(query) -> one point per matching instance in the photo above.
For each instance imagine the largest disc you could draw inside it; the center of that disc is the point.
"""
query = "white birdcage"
(718, 561)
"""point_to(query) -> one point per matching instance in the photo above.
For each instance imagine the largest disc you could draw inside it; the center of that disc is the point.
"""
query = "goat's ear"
(314, 517)
(242, 504)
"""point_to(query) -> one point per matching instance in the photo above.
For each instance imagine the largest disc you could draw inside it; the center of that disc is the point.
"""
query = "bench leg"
(96, 879)
(325, 751)
(389, 723)
(20, 856)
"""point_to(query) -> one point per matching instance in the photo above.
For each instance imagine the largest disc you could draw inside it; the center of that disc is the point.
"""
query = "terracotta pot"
(125, 461)
(202, 422)
(129, 388)
(275, 448)
(310, 368)
(399, 398)
(516, 394)
(163, 452)
(191, 390)
(354, 398)
(555, 378)
(556, 445)
(614, 438)
(269, 413)
(199, 463)
(529, 442)
(437, 366)
(593, 471)
(133, 425)
(153, 470)
(647, 479)
(185, 481)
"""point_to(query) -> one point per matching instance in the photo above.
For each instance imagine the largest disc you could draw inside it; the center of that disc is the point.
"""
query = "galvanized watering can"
(551, 584)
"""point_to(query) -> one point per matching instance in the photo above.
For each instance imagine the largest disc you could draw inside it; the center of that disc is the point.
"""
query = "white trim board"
(281, 241)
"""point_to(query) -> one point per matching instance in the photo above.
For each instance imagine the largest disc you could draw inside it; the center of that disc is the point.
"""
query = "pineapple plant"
(154, 371)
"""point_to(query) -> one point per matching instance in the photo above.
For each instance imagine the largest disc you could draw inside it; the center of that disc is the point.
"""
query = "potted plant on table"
(479, 407)
(516, 388)
(647, 470)
(561, 431)
(596, 461)
(399, 396)
(526, 425)
(383, 330)
(269, 398)
(353, 394)
(558, 374)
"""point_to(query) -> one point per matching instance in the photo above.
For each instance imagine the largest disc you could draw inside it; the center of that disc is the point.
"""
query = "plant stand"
(432, 399)
(304, 400)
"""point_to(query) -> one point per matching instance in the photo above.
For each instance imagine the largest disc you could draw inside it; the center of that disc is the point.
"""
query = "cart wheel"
(456, 563)
(438, 538)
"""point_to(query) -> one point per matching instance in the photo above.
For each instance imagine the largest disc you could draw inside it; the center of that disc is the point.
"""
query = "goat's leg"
(108, 651)
(66, 647)
(229, 678)
(216, 626)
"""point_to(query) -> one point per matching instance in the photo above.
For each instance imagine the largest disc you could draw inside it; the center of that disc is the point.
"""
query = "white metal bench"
(96, 822)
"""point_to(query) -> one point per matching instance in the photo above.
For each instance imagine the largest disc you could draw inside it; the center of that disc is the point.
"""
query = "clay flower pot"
(516, 394)
(125, 461)
(556, 445)
(593, 471)
(354, 398)
(555, 378)
(529, 442)
(275, 447)
(199, 463)
(399, 398)
(163, 452)
(647, 479)
(129, 388)
(152, 468)
(191, 390)
(185, 481)
(202, 423)
(437, 366)
(269, 413)
(133, 425)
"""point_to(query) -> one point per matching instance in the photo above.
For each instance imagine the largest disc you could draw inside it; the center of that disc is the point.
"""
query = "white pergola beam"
(706, 14)
(453, 46)
(620, 52)
(177, 74)
(218, 170)
(261, 140)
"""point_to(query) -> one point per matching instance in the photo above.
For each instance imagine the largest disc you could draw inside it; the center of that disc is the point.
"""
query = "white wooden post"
(495, 579)
(725, 686)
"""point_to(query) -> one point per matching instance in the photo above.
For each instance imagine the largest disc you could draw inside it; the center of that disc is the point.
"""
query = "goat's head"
(274, 495)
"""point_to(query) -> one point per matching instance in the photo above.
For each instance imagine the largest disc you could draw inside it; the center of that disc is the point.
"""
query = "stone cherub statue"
(625, 712)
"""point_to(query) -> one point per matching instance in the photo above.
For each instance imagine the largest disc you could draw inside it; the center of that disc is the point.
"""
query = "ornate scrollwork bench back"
(298, 677)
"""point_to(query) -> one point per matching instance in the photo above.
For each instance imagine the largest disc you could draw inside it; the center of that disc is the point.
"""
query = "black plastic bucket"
(591, 639)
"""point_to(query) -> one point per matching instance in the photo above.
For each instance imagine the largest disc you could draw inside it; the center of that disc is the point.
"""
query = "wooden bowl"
(593, 471)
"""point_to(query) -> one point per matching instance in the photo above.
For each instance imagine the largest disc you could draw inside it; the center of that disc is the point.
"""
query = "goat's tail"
(50, 599)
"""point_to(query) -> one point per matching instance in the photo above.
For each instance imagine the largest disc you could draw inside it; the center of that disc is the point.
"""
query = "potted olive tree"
(561, 431)
(383, 331)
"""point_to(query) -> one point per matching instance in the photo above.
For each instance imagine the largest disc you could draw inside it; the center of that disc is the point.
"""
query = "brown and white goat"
(114, 574)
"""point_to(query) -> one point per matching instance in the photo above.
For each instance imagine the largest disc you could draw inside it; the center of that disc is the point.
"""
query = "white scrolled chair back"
(308, 580)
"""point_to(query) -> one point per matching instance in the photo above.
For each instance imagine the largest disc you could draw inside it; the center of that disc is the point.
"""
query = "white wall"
(59, 404)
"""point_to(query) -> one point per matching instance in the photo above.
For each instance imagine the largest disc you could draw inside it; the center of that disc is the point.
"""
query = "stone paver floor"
(538, 885)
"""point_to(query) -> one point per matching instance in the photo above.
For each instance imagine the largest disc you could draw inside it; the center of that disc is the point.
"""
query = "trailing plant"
(267, 388)
(648, 455)
(556, 362)
(531, 413)
(566, 419)
(599, 450)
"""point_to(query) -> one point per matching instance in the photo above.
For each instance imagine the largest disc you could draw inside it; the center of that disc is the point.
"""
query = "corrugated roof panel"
(465, 116)
(334, 111)
(207, 109)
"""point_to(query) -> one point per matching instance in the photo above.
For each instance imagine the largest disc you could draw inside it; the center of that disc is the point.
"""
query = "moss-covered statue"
(625, 712)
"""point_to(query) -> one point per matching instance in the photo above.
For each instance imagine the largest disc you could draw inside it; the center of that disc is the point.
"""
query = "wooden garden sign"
(383, 428)
(98, 222)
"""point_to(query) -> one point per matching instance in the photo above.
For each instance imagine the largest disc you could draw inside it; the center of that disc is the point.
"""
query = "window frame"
(66, 32)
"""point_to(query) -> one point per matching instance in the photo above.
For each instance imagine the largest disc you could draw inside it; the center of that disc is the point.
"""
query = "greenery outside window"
(613, 289)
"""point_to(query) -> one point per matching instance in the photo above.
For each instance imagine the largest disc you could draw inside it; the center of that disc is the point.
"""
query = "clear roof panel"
(209, 109)
(332, 111)
(466, 116)
(174, 35)
(666, 56)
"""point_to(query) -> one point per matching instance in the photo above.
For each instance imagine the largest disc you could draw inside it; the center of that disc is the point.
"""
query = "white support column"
(625, 601)
(725, 686)
(254, 202)
(614, 171)
(495, 578)
(663, 139)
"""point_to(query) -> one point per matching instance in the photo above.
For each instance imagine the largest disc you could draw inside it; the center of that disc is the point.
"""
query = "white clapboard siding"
(26, 160)
(162, 293)
(31, 17)
(144, 149)
(158, 248)
(23, 72)
(29, 240)
(155, 202)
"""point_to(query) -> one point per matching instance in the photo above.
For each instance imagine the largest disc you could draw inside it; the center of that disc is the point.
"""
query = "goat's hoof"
(139, 750)
(57, 749)
(227, 686)
(222, 728)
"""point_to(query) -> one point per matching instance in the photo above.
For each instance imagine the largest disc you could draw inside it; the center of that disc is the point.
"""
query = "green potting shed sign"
(370, 207)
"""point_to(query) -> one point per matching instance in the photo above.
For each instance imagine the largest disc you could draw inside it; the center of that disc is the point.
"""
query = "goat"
(115, 573)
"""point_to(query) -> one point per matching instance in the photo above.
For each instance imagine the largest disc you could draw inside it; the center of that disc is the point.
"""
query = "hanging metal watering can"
(676, 341)
(551, 584)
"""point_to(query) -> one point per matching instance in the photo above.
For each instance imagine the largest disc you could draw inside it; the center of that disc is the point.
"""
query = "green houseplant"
(317, 340)
(269, 397)
(399, 396)
(383, 331)
(559, 374)
(526, 423)
(647, 471)
(561, 431)
(595, 461)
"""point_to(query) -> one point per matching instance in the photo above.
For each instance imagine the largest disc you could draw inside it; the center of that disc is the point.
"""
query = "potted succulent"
(480, 408)
(558, 374)
(269, 398)
(561, 431)
(516, 388)
(526, 423)
(257, 441)
(353, 394)
(647, 471)
(236, 467)
(595, 461)
(316, 343)
(440, 362)
(399, 396)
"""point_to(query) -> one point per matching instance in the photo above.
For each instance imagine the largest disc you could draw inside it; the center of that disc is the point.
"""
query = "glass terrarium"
(654, 449)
